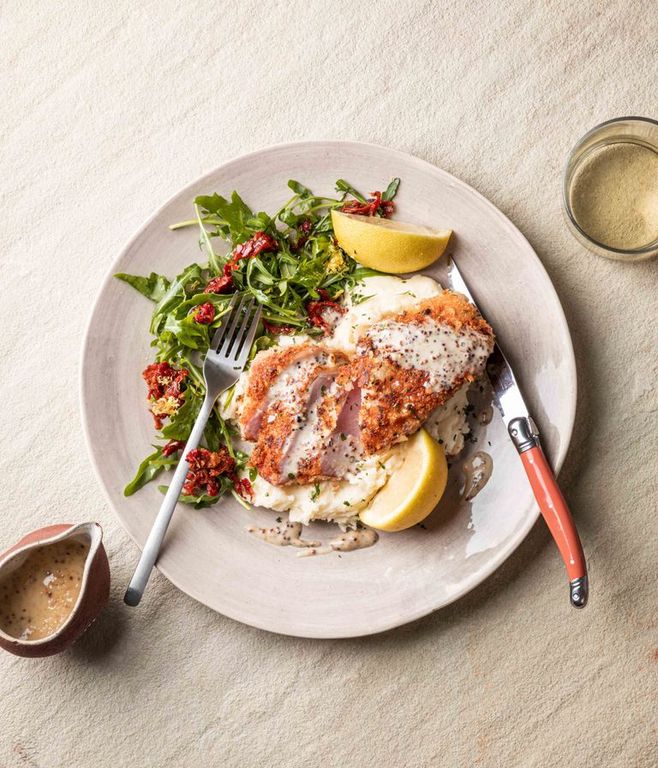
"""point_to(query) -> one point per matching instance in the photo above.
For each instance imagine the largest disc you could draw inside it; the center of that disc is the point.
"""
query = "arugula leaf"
(359, 274)
(179, 323)
(233, 216)
(213, 433)
(199, 502)
(180, 425)
(149, 469)
(205, 244)
(391, 190)
(299, 189)
(153, 287)
(262, 342)
(344, 186)
(187, 332)
(190, 278)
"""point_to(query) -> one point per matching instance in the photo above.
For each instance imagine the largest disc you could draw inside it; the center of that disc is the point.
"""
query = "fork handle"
(156, 536)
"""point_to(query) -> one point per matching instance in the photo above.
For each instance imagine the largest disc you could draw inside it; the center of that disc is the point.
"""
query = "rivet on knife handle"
(524, 433)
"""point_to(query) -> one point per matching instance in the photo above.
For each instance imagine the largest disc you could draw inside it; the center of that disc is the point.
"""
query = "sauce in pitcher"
(37, 597)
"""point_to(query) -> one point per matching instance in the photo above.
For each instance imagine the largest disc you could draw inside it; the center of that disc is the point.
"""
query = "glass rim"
(650, 247)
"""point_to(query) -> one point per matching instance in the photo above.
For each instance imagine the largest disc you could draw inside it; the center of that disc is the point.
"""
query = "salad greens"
(305, 265)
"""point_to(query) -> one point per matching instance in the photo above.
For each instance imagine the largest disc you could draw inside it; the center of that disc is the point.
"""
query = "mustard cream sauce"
(37, 597)
(431, 347)
(289, 535)
(477, 470)
(284, 535)
(359, 538)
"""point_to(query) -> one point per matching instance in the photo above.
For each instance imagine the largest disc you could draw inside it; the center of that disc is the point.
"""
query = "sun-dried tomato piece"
(173, 446)
(165, 390)
(387, 208)
(303, 231)
(375, 205)
(206, 467)
(279, 329)
(259, 242)
(204, 313)
(221, 284)
(244, 488)
(324, 312)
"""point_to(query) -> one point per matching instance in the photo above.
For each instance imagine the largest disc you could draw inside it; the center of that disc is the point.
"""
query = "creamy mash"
(375, 299)
(337, 500)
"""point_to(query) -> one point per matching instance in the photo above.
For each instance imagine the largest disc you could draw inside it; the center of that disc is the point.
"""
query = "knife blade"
(507, 395)
(509, 401)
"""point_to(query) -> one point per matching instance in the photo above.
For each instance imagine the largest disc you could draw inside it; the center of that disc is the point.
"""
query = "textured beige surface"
(104, 114)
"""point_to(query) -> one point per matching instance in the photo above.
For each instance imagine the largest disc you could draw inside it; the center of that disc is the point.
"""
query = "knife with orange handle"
(525, 436)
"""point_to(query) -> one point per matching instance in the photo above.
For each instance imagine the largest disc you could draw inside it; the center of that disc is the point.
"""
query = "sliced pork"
(280, 374)
(286, 410)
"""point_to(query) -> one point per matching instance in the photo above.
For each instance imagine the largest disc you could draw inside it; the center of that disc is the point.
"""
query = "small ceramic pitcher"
(91, 599)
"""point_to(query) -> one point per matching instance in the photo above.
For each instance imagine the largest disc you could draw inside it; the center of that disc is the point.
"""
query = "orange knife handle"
(558, 518)
(525, 437)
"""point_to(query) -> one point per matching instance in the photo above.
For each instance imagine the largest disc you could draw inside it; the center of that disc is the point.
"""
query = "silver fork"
(225, 361)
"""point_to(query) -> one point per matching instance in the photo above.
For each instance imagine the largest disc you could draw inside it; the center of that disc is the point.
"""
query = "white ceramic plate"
(406, 575)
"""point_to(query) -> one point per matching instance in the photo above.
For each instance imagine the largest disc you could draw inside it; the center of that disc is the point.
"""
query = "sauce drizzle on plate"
(289, 535)
(477, 470)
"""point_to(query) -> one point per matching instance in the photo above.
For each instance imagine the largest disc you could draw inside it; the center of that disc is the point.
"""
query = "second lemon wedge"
(389, 246)
(413, 490)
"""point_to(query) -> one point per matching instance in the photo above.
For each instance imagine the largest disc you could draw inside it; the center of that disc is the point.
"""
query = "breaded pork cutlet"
(313, 413)
(413, 362)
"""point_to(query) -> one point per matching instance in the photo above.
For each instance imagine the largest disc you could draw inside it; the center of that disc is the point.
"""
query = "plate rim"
(504, 553)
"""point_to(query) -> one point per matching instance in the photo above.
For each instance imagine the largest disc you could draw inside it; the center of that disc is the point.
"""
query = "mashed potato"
(340, 501)
(374, 299)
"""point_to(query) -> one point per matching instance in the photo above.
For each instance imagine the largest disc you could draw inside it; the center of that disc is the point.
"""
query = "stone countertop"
(108, 109)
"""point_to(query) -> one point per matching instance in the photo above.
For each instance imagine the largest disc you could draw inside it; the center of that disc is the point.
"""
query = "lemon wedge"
(413, 490)
(389, 246)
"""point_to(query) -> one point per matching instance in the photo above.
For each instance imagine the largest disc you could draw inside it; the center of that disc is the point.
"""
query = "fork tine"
(239, 334)
(227, 343)
(219, 333)
(246, 335)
